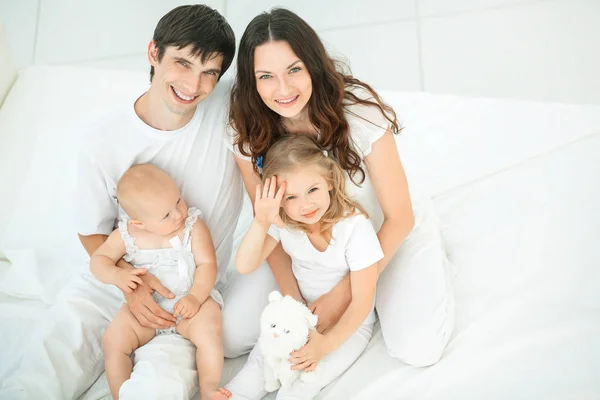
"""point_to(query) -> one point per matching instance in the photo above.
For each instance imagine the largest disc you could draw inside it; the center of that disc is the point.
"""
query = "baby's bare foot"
(219, 394)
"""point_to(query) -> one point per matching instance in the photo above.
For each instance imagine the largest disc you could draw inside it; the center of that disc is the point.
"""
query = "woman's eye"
(295, 69)
(273, 325)
(264, 76)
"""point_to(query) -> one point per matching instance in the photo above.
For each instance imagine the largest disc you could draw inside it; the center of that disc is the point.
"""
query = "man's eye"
(185, 64)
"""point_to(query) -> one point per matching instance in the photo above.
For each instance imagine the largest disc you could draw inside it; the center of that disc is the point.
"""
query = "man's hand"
(330, 307)
(142, 304)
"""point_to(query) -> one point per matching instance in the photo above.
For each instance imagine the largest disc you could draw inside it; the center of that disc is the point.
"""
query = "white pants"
(249, 383)
(414, 299)
(65, 357)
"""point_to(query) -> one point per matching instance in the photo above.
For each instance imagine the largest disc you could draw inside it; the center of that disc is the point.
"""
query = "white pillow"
(41, 121)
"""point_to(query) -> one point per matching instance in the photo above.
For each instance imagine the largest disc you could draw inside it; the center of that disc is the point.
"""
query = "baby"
(166, 239)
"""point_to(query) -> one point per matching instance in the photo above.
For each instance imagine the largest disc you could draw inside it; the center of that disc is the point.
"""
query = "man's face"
(181, 80)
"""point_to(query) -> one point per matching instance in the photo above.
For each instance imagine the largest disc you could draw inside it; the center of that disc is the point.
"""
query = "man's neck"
(152, 110)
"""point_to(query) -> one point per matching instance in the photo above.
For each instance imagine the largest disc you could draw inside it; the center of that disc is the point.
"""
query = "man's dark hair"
(197, 25)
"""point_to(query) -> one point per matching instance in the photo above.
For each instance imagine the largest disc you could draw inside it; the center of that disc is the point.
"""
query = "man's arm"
(92, 242)
(140, 301)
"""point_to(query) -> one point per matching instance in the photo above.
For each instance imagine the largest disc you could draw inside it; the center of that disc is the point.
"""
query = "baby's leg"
(123, 336)
(205, 330)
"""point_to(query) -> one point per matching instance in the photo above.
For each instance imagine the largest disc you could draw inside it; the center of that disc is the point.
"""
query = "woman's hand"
(330, 307)
(307, 357)
(267, 203)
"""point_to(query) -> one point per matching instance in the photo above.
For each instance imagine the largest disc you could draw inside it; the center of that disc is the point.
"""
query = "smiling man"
(178, 125)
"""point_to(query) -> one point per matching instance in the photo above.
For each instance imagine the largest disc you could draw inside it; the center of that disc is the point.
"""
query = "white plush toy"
(284, 326)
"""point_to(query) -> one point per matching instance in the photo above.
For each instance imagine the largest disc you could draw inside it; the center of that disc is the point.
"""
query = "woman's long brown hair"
(258, 127)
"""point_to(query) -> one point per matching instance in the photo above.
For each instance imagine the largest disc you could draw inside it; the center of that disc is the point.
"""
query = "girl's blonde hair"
(293, 151)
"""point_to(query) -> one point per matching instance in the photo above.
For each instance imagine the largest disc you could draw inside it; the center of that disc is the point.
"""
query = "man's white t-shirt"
(194, 156)
(354, 246)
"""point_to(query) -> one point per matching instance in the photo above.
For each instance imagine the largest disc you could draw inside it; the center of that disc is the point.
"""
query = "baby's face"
(165, 214)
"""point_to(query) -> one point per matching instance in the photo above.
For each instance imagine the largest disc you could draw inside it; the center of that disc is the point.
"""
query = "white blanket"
(516, 186)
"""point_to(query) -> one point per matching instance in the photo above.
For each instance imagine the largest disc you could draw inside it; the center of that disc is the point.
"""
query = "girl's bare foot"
(219, 394)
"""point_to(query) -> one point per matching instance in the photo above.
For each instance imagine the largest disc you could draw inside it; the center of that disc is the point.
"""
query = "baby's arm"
(103, 264)
(206, 262)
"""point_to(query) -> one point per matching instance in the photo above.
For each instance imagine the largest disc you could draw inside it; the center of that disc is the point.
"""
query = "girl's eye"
(273, 325)
(286, 331)
(290, 197)
(313, 190)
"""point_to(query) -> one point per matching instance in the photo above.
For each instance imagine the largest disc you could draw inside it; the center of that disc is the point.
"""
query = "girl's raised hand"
(267, 203)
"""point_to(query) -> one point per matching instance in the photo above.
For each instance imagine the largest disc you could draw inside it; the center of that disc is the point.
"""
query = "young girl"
(326, 235)
(286, 83)
(170, 241)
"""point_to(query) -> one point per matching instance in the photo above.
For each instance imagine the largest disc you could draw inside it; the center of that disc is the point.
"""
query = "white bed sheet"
(516, 186)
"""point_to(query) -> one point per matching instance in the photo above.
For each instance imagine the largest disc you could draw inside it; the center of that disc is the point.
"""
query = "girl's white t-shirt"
(354, 246)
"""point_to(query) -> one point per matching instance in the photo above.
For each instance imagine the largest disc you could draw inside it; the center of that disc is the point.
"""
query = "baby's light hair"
(138, 185)
(293, 151)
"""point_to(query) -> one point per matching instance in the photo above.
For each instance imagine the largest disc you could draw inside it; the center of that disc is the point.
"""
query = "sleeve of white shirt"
(274, 232)
(96, 209)
(363, 248)
(230, 137)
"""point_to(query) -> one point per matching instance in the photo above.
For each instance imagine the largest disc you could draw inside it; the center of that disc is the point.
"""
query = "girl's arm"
(363, 283)
(279, 262)
(389, 180)
(203, 249)
(254, 248)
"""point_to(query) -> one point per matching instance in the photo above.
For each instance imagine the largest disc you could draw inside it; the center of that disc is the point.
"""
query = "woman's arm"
(389, 180)
(279, 262)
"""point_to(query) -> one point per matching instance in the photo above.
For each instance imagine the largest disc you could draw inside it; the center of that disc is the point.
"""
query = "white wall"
(536, 49)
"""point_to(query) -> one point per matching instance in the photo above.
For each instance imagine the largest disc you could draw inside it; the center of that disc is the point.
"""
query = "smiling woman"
(287, 84)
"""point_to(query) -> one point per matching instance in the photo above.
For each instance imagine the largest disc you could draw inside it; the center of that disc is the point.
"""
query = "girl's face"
(282, 80)
(306, 198)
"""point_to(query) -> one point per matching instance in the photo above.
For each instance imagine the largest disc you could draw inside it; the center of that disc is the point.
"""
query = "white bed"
(516, 185)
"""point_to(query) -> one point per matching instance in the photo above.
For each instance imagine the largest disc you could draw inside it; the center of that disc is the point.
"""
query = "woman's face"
(282, 80)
